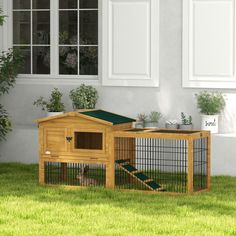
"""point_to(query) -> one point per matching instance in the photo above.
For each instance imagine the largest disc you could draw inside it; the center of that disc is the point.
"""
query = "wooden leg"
(63, 171)
(209, 162)
(190, 166)
(110, 175)
(41, 172)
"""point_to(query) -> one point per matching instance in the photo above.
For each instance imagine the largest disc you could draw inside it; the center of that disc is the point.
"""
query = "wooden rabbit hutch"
(100, 148)
(75, 147)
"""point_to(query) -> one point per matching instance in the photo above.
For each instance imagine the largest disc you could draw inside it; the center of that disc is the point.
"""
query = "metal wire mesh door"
(163, 162)
(74, 174)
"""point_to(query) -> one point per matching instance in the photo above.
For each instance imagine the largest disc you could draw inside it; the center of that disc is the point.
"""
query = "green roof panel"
(108, 116)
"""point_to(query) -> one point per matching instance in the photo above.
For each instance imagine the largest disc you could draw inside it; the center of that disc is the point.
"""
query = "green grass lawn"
(29, 209)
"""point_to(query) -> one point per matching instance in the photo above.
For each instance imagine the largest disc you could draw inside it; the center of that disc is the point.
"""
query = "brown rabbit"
(85, 181)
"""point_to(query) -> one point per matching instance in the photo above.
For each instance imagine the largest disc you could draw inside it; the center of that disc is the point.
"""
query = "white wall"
(170, 98)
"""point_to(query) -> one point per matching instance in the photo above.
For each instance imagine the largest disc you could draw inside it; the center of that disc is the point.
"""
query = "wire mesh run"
(151, 164)
(200, 164)
(74, 174)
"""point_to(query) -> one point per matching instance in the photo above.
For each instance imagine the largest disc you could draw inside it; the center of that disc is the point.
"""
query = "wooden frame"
(69, 123)
(150, 133)
(73, 121)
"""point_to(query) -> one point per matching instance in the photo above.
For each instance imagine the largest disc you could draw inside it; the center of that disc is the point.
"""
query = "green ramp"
(139, 175)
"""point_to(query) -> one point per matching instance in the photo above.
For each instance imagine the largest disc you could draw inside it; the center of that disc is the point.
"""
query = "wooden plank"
(110, 168)
(150, 134)
(190, 166)
(122, 126)
(41, 162)
(209, 162)
(63, 171)
(41, 172)
(76, 160)
(73, 114)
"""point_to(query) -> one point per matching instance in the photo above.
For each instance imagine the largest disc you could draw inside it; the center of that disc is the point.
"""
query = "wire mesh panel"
(200, 164)
(74, 174)
(151, 164)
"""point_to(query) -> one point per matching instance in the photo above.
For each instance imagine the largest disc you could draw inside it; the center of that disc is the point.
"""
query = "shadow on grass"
(21, 181)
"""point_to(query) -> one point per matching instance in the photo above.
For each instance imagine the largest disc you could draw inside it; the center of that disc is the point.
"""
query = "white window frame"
(54, 77)
(189, 80)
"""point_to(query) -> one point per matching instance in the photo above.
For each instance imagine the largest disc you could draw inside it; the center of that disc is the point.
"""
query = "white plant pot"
(54, 113)
(211, 123)
(171, 126)
(150, 124)
(186, 127)
(138, 124)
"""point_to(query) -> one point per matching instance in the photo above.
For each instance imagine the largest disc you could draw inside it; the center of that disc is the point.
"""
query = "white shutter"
(209, 43)
(130, 42)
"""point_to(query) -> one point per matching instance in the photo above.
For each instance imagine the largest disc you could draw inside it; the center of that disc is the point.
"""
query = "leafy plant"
(186, 120)
(142, 117)
(154, 116)
(5, 123)
(10, 64)
(54, 104)
(84, 97)
(210, 103)
(2, 18)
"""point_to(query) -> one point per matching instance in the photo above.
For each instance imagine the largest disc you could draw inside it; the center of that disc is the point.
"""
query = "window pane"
(68, 4)
(41, 4)
(88, 4)
(88, 60)
(21, 27)
(88, 140)
(88, 27)
(41, 27)
(21, 4)
(41, 60)
(68, 27)
(68, 60)
(25, 52)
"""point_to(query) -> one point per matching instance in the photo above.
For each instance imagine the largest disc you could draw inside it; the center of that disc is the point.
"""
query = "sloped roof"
(100, 116)
(108, 116)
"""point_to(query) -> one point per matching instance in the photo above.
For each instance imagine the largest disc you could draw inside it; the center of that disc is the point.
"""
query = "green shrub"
(84, 97)
(10, 65)
(5, 123)
(54, 104)
(210, 103)
(154, 116)
(186, 120)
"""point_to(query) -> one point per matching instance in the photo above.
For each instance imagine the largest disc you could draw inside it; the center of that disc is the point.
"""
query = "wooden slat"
(190, 166)
(110, 170)
(209, 162)
(150, 134)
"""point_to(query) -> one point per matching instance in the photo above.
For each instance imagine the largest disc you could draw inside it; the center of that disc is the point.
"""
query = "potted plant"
(153, 119)
(210, 104)
(186, 122)
(141, 118)
(172, 124)
(84, 97)
(54, 106)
